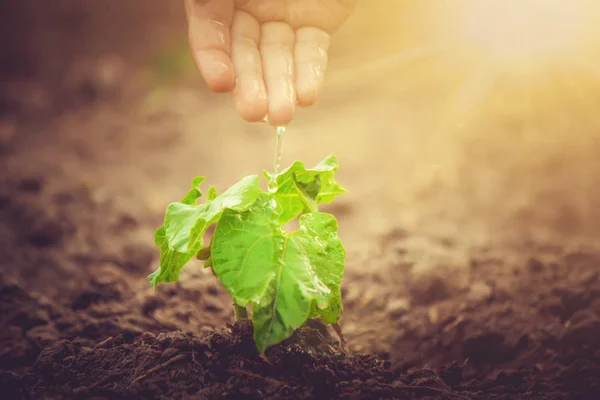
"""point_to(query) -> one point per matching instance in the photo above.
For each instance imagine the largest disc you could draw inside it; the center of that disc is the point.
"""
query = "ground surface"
(472, 268)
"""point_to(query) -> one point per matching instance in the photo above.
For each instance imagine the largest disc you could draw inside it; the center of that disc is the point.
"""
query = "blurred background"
(483, 113)
(465, 122)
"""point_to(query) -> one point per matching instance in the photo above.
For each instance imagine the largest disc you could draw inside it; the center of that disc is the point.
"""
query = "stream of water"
(279, 132)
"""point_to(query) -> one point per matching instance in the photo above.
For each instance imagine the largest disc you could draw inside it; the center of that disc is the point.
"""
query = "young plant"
(287, 278)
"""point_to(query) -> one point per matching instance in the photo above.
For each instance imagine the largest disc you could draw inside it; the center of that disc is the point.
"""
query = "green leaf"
(286, 277)
(171, 262)
(301, 190)
(194, 194)
(332, 313)
(181, 237)
(212, 193)
(185, 224)
(320, 229)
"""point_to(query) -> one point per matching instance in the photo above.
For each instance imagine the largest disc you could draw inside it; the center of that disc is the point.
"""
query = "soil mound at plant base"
(225, 364)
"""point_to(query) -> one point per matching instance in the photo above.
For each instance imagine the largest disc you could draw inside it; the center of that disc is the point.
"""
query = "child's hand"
(271, 53)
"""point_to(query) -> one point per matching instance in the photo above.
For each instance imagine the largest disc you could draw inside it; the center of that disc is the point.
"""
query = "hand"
(271, 53)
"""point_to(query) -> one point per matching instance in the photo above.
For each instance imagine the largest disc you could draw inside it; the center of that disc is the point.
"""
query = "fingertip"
(252, 117)
(311, 60)
(216, 69)
(309, 79)
(276, 48)
(281, 114)
(251, 110)
(222, 83)
(307, 96)
(220, 78)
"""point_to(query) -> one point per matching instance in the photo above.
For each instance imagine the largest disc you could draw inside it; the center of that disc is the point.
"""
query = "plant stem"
(240, 312)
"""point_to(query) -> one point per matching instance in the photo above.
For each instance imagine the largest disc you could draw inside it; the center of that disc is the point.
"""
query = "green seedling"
(285, 278)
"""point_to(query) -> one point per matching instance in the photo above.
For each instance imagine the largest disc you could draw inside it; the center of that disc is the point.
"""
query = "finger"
(210, 42)
(250, 94)
(311, 60)
(276, 47)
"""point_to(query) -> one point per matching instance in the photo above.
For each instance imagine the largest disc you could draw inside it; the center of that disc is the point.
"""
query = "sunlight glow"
(527, 61)
(531, 29)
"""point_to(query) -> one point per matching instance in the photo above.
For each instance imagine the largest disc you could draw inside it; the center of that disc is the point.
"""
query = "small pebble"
(433, 314)
(169, 353)
(398, 307)
(367, 298)
(148, 338)
(479, 292)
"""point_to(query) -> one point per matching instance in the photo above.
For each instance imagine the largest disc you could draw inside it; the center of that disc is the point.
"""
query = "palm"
(271, 53)
(327, 15)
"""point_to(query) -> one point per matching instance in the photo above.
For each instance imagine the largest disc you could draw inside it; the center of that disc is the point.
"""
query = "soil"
(453, 290)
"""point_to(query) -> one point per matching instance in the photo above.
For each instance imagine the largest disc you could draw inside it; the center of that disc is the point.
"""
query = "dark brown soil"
(452, 290)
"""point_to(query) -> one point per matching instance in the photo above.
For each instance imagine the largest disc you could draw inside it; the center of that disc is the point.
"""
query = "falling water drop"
(279, 131)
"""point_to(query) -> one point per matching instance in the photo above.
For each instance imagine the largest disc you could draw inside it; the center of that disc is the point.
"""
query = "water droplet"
(279, 131)
(319, 243)
(273, 185)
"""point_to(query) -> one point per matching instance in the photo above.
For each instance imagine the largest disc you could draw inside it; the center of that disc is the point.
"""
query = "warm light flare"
(529, 29)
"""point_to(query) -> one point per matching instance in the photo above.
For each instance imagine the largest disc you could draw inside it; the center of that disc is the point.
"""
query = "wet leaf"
(301, 190)
(181, 237)
(285, 277)
(194, 194)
